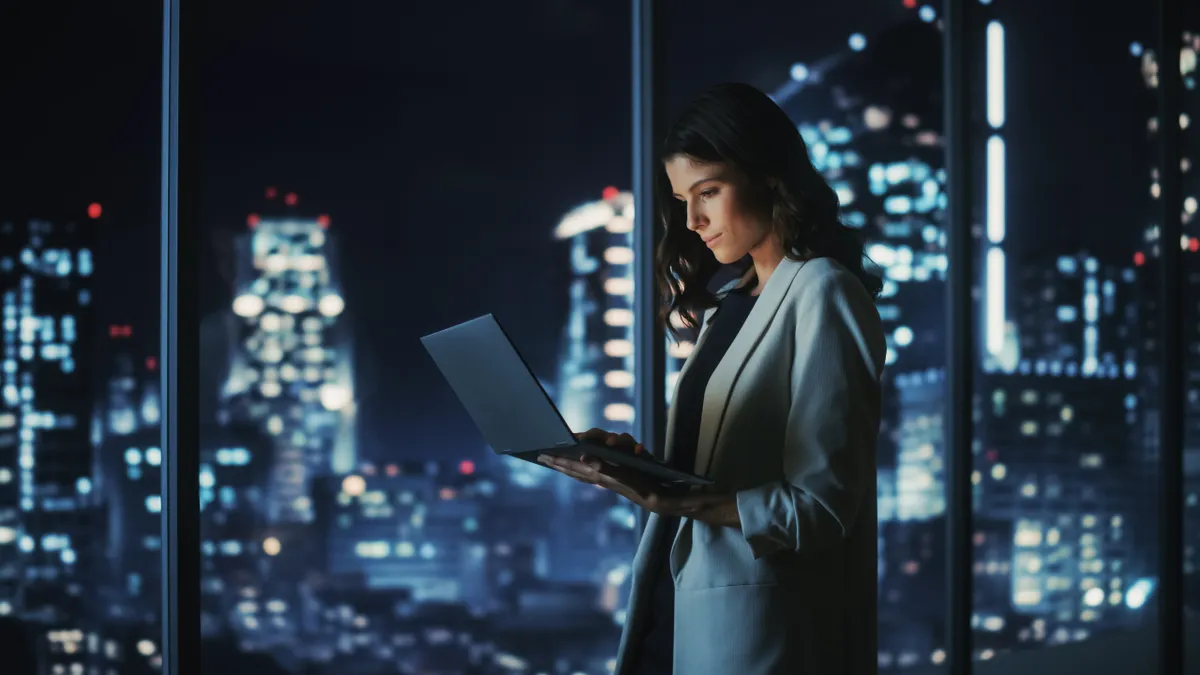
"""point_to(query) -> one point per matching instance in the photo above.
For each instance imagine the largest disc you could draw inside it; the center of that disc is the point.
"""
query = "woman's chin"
(723, 257)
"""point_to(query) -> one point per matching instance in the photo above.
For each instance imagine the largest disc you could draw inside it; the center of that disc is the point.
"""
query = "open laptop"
(510, 407)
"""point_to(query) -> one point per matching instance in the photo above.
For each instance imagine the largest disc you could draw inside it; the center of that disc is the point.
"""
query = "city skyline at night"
(353, 520)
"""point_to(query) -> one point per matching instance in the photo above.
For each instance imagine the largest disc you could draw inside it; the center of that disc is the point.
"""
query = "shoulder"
(824, 280)
(826, 296)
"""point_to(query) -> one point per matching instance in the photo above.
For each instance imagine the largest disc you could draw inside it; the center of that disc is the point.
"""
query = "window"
(367, 183)
(80, 561)
(1066, 443)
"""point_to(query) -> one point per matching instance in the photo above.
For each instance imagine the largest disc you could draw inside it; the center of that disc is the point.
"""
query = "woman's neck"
(765, 259)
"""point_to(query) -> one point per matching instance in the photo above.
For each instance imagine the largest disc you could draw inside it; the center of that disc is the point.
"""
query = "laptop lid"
(497, 387)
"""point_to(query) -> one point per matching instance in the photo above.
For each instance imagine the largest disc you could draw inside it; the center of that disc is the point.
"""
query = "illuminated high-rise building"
(45, 413)
(596, 371)
(292, 373)
(872, 120)
(131, 400)
(1148, 251)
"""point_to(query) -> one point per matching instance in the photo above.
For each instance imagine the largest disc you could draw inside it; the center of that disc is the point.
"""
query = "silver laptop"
(513, 411)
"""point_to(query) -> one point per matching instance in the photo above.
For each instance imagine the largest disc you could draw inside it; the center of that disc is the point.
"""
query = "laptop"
(513, 411)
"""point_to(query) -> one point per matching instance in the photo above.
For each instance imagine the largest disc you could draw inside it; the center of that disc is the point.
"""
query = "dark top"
(655, 653)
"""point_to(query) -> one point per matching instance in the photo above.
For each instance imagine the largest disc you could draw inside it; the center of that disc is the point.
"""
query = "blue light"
(83, 486)
(68, 556)
(133, 457)
(838, 135)
(927, 14)
(1138, 593)
(897, 204)
(154, 504)
(858, 42)
(1135, 48)
(799, 72)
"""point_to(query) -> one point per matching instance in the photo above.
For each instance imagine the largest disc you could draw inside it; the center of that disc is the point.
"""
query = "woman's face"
(717, 208)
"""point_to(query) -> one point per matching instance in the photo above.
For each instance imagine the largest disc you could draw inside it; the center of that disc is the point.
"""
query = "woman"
(773, 570)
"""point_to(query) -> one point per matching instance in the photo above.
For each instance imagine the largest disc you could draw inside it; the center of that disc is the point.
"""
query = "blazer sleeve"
(832, 424)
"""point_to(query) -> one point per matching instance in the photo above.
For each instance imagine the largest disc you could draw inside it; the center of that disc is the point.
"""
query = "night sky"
(445, 139)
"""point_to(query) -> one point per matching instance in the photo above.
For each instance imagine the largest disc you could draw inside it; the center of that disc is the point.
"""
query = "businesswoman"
(773, 570)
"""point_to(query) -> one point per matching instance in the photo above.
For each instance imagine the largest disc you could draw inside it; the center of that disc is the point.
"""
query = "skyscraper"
(45, 414)
(596, 370)
(292, 370)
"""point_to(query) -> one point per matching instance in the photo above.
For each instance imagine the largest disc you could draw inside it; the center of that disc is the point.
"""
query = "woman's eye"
(708, 193)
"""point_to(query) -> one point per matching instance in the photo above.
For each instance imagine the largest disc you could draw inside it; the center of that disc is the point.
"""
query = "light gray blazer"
(789, 424)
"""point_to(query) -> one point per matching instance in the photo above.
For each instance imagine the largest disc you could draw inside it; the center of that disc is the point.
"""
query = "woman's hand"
(598, 435)
(715, 509)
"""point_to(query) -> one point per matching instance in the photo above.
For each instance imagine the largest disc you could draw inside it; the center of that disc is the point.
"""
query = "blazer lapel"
(720, 385)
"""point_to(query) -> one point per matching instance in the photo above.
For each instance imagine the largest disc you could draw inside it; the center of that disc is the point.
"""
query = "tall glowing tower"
(292, 370)
(45, 413)
(596, 371)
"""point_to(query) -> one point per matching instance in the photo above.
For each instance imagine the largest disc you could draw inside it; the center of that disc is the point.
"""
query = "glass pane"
(366, 184)
(1190, 151)
(863, 82)
(1066, 404)
(80, 562)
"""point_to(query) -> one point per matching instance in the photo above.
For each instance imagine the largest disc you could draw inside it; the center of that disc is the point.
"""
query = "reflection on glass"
(1065, 407)
(80, 409)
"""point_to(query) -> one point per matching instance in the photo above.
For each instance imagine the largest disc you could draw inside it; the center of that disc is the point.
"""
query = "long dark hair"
(741, 127)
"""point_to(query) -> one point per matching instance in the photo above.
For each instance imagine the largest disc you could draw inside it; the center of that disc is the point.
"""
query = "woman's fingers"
(587, 471)
(593, 434)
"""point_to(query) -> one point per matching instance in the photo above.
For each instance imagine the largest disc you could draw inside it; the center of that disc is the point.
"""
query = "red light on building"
(466, 467)
(992, 455)
(1194, 244)
(610, 192)
(447, 493)
(272, 193)
(323, 221)
(252, 220)
(910, 3)
(1139, 258)
(393, 470)
(120, 331)
(290, 199)
(151, 363)
(94, 210)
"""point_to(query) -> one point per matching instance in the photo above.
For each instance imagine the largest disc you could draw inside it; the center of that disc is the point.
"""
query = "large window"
(80, 562)
(370, 178)
(1066, 406)
(863, 83)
